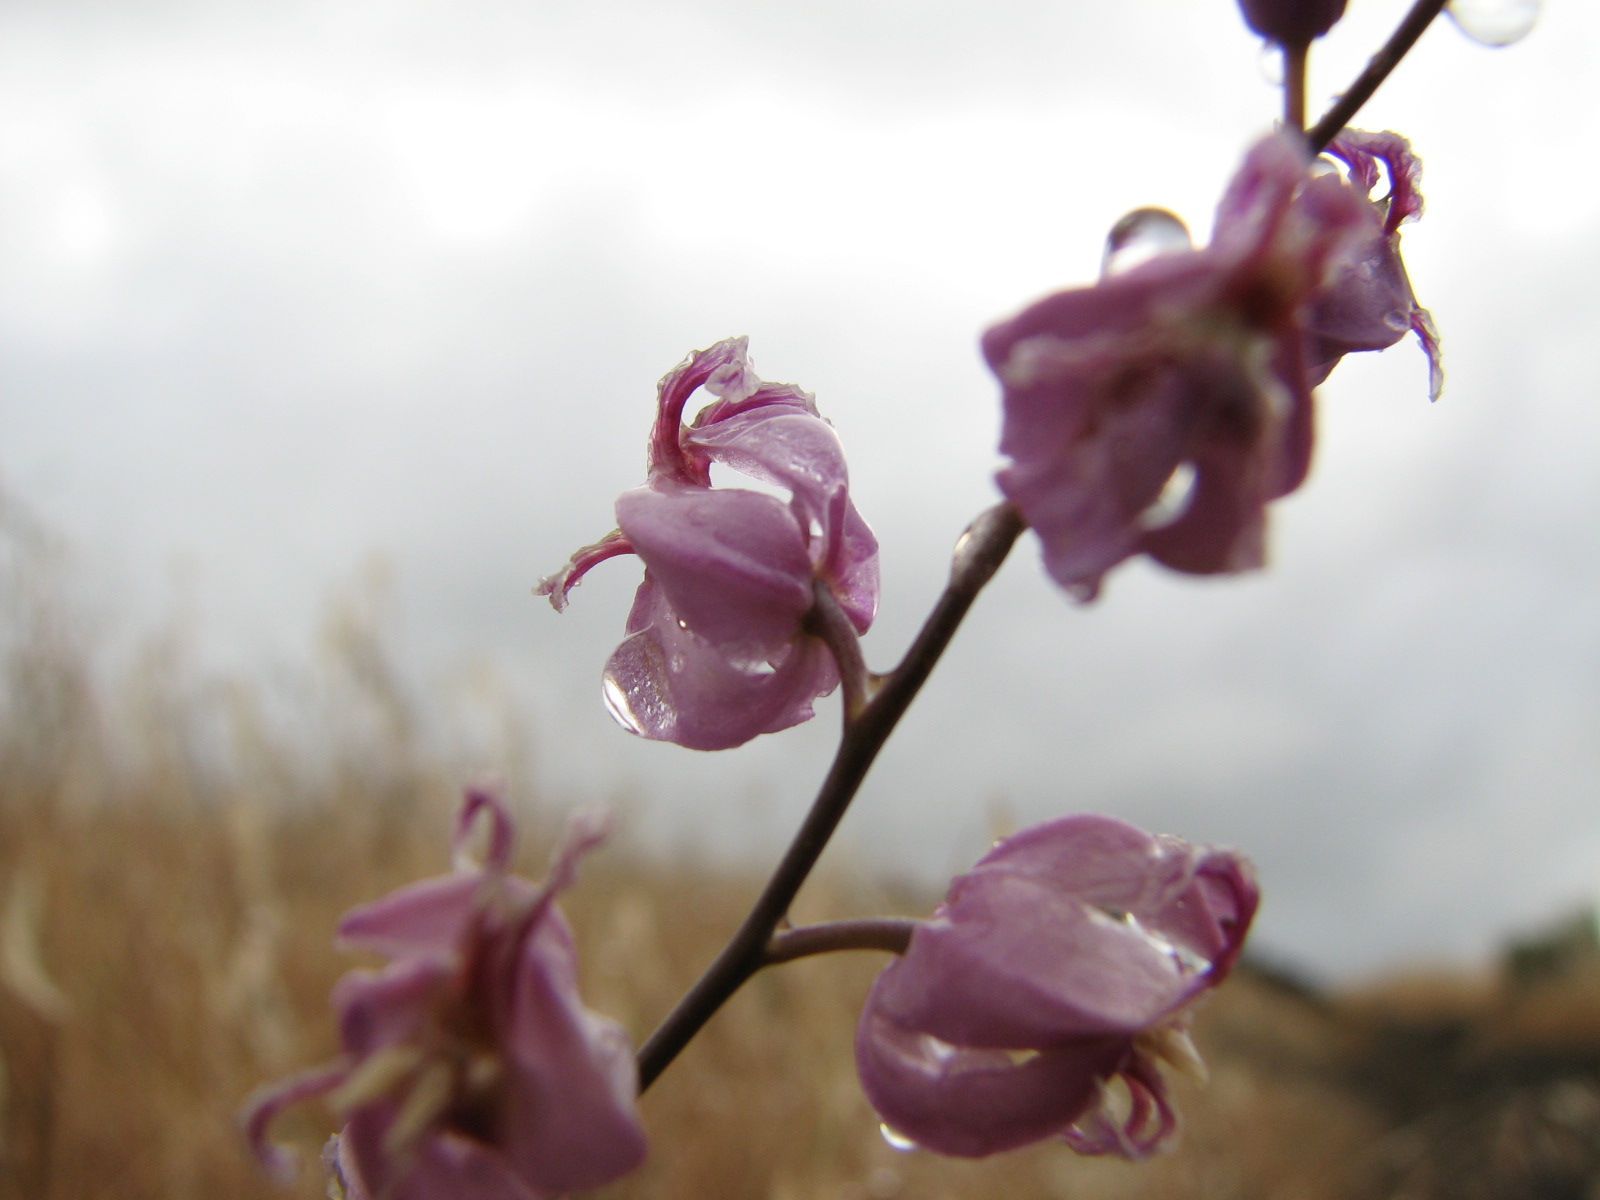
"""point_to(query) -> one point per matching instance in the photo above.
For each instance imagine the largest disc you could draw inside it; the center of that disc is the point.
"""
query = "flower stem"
(1383, 62)
(1294, 85)
(979, 553)
(892, 934)
(828, 621)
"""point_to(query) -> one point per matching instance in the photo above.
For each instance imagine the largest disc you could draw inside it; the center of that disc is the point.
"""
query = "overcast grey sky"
(285, 286)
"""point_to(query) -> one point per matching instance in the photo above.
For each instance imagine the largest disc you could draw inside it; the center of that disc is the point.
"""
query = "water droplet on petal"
(1173, 501)
(1494, 22)
(1143, 234)
(1186, 960)
(620, 705)
(897, 1141)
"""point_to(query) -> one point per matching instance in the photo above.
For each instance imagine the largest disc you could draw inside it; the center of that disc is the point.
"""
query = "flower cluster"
(471, 1069)
(717, 648)
(1059, 967)
(1201, 361)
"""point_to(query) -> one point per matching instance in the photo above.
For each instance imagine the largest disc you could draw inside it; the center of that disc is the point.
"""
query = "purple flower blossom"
(1369, 304)
(1193, 360)
(717, 650)
(1057, 972)
(471, 1069)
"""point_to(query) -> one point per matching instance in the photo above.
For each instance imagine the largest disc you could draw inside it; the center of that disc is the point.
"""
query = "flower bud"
(1291, 22)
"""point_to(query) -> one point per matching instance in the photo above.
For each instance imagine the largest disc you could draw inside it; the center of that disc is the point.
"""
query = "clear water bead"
(1494, 22)
(620, 705)
(1270, 64)
(1140, 236)
(897, 1141)
(1174, 499)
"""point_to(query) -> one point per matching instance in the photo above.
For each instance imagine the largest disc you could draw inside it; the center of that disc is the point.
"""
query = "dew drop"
(897, 1141)
(1173, 501)
(620, 706)
(1271, 63)
(1140, 236)
(1494, 22)
(1186, 960)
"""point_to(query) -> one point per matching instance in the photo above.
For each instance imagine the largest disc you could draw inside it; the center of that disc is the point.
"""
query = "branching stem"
(1378, 69)
(891, 934)
(1294, 85)
(873, 706)
(978, 556)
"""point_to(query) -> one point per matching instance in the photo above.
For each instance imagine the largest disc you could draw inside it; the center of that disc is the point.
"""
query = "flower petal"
(664, 682)
(731, 564)
(1011, 962)
(970, 1103)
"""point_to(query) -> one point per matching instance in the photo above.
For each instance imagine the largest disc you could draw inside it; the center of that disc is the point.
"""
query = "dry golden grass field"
(167, 895)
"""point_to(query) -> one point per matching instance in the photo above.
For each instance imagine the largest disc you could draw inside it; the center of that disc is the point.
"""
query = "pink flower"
(717, 650)
(1369, 304)
(1191, 361)
(471, 1069)
(1058, 971)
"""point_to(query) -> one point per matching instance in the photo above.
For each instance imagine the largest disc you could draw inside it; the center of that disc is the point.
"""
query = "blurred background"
(327, 329)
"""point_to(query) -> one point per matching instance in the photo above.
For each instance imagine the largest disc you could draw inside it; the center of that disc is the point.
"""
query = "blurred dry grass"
(170, 874)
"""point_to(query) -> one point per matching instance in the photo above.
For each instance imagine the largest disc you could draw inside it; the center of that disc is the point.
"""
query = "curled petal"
(502, 831)
(263, 1107)
(558, 587)
(1369, 303)
(725, 367)
(1147, 1127)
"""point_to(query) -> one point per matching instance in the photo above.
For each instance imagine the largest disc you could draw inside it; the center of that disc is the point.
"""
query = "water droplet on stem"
(1494, 22)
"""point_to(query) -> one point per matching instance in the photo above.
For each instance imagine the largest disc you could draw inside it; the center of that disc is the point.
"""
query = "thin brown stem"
(1294, 85)
(889, 934)
(1378, 69)
(979, 553)
(830, 623)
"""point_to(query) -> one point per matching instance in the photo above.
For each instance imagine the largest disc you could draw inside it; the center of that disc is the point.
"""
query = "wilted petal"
(727, 364)
(559, 586)
(1369, 303)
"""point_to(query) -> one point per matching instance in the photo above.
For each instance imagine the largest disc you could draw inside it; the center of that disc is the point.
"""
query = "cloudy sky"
(287, 287)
